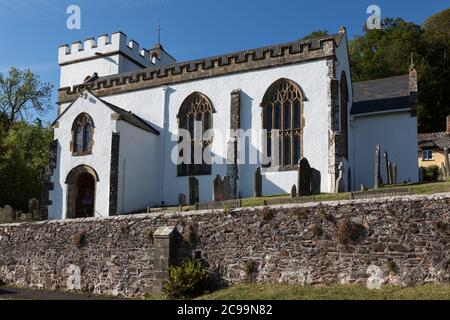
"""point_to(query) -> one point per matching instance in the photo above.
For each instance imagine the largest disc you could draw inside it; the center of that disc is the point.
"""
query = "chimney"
(448, 125)
(413, 87)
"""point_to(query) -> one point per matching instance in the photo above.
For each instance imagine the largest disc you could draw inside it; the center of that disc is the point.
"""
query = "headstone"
(363, 188)
(218, 194)
(387, 165)
(181, 199)
(441, 173)
(304, 178)
(294, 191)
(257, 188)
(315, 181)
(447, 163)
(349, 180)
(340, 184)
(391, 172)
(395, 173)
(377, 167)
(421, 174)
(9, 213)
(33, 207)
(444, 170)
(194, 195)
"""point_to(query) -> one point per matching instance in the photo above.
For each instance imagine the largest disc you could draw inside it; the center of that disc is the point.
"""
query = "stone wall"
(335, 242)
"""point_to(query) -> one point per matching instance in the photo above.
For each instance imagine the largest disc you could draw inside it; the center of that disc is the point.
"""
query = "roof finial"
(412, 61)
(158, 30)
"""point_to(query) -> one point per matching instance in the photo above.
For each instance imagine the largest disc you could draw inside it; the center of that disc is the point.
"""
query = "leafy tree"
(316, 34)
(434, 73)
(25, 153)
(24, 146)
(385, 52)
(21, 95)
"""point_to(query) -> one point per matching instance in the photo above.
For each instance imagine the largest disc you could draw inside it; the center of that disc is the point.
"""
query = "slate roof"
(126, 116)
(439, 140)
(381, 95)
(131, 118)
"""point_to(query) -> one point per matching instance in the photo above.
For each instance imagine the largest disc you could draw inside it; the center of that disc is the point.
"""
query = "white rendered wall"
(99, 160)
(311, 76)
(139, 168)
(397, 134)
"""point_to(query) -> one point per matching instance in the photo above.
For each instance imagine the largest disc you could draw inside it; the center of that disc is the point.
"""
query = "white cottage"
(121, 108)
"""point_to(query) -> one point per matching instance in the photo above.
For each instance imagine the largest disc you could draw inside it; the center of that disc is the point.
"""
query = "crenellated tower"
(106, 55)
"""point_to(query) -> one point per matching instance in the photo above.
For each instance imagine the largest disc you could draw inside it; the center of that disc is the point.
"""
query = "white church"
(121, 108)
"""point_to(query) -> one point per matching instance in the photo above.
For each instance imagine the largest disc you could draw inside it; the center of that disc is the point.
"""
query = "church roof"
(381, 95)
(124, 115)
(131, 118)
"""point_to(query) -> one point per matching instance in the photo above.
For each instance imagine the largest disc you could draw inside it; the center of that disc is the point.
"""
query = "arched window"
(344, 114)
(283, 110)
(195, 114)
(82, 135)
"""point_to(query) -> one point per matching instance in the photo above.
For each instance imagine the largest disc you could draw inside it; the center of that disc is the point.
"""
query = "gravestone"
(395, 172)
(363, 188)
(257, 187)
(340, 184)
(9, 213)
(446, 161)
(441, 173)
(294, 191)
(304, 178)
(444, 170)
(377, 180)
(387, 166)
(218, 194)
(33, 207)
(194, 195)
(421, 174)
(181, 199)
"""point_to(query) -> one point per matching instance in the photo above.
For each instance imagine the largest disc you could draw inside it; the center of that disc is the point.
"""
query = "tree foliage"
(388, 52)
(24, 145)
(22, 95)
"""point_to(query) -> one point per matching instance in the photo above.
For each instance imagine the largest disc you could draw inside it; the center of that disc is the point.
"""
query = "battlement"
(104, 45)
(248, 60)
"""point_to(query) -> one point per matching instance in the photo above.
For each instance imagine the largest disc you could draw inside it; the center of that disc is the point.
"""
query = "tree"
(385, 52)
(25, 153)
(24, 145)
(316, 34)
(434, 73)
(21, 94)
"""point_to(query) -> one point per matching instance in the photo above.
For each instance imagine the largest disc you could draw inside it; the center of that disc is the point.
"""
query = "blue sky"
(32, 30)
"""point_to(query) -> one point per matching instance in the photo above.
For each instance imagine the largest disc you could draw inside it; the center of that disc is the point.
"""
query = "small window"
(427, 155)
(82, 135)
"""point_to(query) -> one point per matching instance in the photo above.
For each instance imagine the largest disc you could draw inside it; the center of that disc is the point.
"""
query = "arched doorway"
(81, 190)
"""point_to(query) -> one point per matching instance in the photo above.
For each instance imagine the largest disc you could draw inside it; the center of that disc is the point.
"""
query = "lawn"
(422, 188)
(335, 292)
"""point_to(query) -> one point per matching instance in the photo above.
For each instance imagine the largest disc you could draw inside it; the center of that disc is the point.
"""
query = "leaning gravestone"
(194, 194)
(257, 188)
(304, 178)
(181, 199)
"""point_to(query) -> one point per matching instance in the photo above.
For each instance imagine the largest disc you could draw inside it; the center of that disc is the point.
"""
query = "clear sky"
(32, 30)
